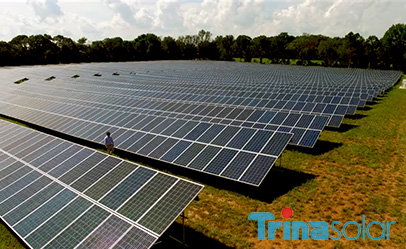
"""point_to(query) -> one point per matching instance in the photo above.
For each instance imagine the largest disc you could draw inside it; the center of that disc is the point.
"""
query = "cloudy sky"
(98, 19)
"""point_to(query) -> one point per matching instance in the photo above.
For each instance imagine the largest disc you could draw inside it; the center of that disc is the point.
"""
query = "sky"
(99, 19)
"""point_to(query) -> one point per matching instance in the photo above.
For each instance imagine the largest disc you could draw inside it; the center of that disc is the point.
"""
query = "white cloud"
(98, 19)
(45, 10)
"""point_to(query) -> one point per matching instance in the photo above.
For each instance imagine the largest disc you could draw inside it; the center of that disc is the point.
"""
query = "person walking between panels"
(108, 141)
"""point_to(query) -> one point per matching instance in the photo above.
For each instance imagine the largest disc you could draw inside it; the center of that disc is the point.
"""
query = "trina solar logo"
(317, 230)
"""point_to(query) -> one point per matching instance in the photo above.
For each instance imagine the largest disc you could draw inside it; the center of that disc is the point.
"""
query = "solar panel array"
(228, 119)
(56, 194)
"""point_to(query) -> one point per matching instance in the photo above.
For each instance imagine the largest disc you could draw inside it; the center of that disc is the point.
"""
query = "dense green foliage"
(353, 50)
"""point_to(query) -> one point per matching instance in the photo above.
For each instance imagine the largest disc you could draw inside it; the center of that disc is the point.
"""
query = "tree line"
(353, 50)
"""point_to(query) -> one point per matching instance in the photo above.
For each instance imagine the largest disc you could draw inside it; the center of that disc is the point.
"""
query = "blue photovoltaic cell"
(242, 137)
(14, 176)
(220, 161)
(128, 138)
(173, 127)
(95, 174)
(165, 210)
(257, 170)
(60, 158)
(136, 238)
(79, 230)
(23, 194)
(318, 123)
(70, 163)
(52, 227)
(50, 154)
(335, 121)
(185, 129)
(258, 141)
(138, 204)
(11, 168)
(32, 203)
(136, 146)
(279, 118)
(291, 119)
(107, 234)
(176, 151)
(238, 165)
(330, 109)
(309, 138)
(211, 133)
(163, 148)
(197, 131)
(284, 129)
(245, 114)
(18, 184)
(226, 135)
(256, 116)
(126, 188)
(319, 108)
(297, 135)
(189, 154)
(151, 145)
(277, 144)
(204, 157)
(81, 168)
(53, 205)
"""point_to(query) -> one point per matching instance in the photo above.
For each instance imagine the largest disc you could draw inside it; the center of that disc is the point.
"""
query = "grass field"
(359, 169)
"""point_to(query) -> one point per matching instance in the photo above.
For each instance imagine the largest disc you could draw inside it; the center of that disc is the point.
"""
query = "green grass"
(7, 239)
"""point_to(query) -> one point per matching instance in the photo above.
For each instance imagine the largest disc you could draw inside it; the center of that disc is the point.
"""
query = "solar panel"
(178, 134)
(167, 111)
(68, 196)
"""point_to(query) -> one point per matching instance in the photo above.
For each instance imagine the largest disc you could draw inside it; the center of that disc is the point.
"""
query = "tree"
(304, 48)
(225, 47)
(261, 45)
(147, 47)
(352, 51)
(170, 49)
(328, 51)
(373, 52)
(7, 55)
(242, 47)
(187, 47)
(394, 43)
(278, 52)
(68, 51)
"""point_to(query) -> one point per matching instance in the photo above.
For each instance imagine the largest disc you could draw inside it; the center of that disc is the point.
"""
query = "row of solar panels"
(167, 92)
(232, 152)
(301, 125)
(234, 77)
(56, 194)
(179, 126)
(335, 111)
